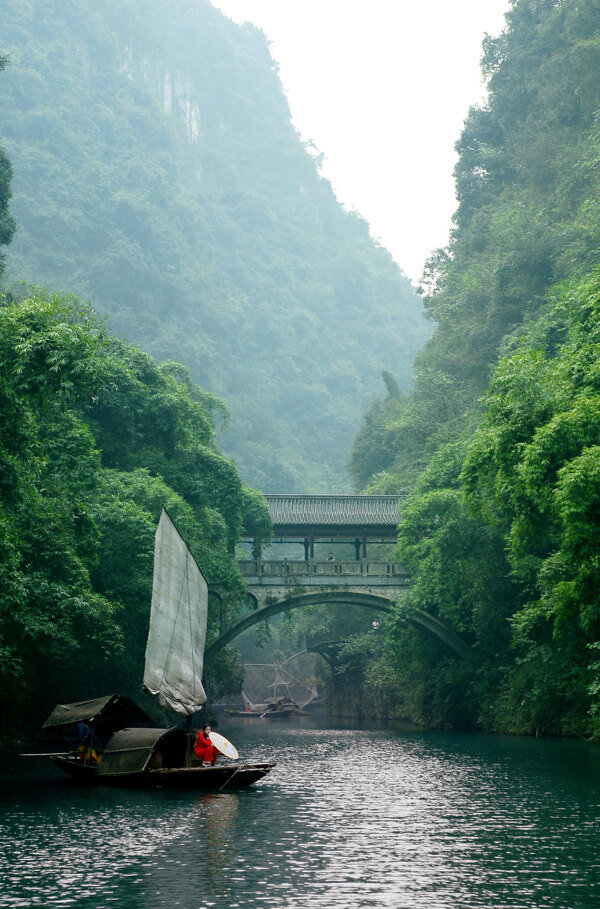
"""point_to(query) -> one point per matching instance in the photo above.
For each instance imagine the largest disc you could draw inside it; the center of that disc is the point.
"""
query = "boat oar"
(46, 753)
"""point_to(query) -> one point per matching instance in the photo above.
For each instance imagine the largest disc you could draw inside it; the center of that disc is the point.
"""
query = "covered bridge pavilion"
(357, 519)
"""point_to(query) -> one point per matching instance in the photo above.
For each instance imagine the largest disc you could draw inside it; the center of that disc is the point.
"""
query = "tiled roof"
(335, 510)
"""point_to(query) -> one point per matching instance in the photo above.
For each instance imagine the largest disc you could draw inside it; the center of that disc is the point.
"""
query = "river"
(350, 817)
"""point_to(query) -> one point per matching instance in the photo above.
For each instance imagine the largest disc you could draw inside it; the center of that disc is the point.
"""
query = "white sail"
(177, 635)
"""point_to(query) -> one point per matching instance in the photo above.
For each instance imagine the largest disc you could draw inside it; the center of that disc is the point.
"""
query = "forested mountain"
(500, 436)
(157, 173)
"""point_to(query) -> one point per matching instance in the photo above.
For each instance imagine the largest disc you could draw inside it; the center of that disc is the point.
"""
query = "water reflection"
(214, 831)
(350, 817)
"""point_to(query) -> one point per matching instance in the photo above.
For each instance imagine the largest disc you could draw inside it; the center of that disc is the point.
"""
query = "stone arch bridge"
(342, 523)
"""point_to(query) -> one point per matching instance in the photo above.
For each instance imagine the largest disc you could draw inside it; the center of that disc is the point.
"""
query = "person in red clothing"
(204, 749)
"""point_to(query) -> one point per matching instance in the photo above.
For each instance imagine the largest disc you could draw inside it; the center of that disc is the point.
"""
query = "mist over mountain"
(157, 173)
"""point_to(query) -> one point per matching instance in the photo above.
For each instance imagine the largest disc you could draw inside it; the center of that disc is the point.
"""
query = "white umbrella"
(223, 745)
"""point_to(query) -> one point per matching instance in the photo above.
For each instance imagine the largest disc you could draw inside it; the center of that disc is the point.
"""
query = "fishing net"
(268, 682)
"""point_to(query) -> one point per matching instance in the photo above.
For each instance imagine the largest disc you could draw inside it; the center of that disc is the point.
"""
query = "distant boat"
(283, 709)
(119, 742)
(284, 687)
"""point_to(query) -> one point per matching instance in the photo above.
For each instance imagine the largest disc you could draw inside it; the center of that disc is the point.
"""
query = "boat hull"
(230, 776)
(254, 713)
(85, 773)
(282, 714)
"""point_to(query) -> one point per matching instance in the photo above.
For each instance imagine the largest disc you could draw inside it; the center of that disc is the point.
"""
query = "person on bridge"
(331, 557)
(204, 749)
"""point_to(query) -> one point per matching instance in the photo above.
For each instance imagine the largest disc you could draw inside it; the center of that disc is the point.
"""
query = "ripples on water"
(349, 818)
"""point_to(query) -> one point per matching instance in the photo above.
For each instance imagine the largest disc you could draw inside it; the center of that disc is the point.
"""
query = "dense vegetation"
(95, 438)
(178, 197)
(499, 438)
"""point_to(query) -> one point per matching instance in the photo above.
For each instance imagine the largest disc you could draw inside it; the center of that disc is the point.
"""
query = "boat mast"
(188, 729)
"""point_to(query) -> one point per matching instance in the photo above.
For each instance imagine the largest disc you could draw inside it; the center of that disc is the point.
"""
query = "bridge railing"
(286, 568)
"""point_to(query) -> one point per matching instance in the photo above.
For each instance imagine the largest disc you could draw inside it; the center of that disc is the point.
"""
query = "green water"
(350, 817)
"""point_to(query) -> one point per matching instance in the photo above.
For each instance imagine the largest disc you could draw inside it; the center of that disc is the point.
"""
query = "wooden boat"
(274, 704)
(250, 713)
(283, 709)
(156, 758)
(120, 743)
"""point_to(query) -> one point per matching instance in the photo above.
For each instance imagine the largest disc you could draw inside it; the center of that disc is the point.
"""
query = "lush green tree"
(500, 537)
(95, 439)
(373, 449)
(55, 629)
(531, 464)
(256, 518)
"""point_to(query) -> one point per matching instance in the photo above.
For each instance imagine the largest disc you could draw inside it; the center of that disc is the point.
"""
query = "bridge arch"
(340, 598)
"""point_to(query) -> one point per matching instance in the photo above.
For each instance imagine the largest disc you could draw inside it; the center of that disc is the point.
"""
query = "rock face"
(157, 173)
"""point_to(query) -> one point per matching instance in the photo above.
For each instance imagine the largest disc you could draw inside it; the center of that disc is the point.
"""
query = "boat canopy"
(110, 712)
(130, 751)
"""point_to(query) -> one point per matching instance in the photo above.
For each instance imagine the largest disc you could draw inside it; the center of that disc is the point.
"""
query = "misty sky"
(382, 88)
